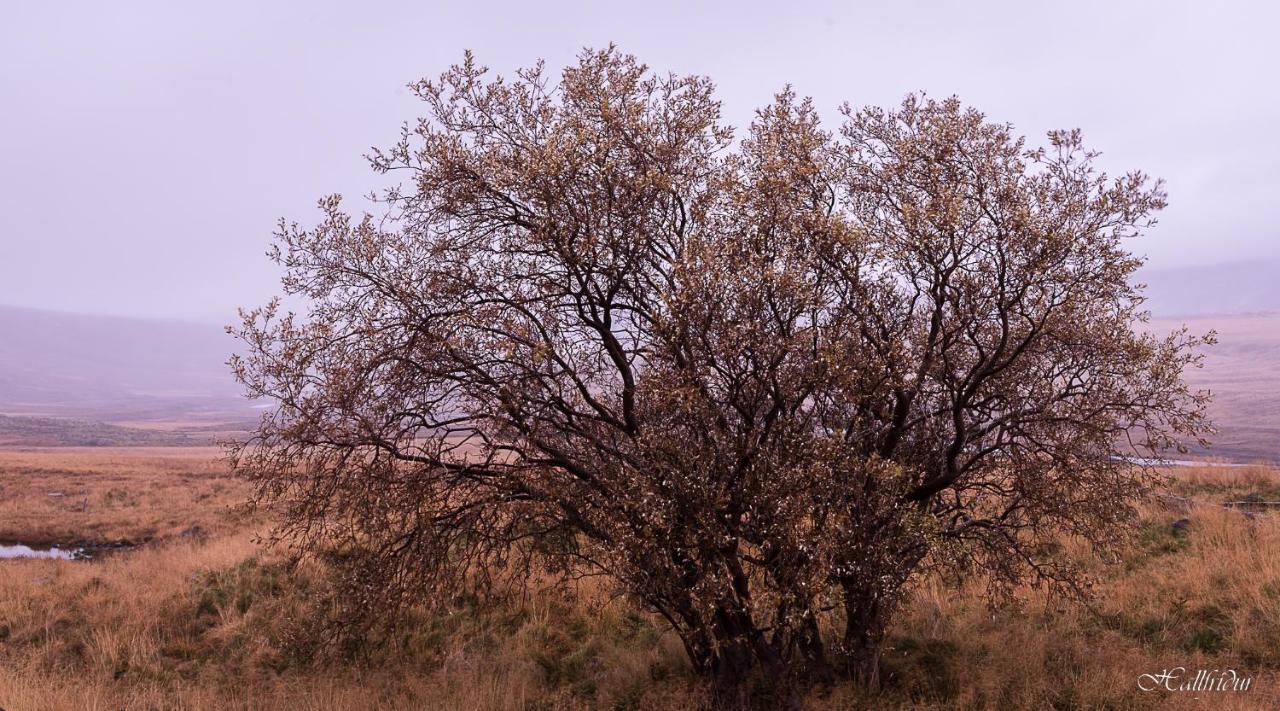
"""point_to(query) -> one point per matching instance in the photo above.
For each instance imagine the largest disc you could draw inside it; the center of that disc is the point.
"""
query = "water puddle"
(1150, 462)
(19, 550)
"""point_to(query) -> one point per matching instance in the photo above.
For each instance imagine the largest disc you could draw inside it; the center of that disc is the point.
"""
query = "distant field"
(110, 369)
(102, 381)
(1243, 373)
(76, 496)
(58, 432)
(71, 432)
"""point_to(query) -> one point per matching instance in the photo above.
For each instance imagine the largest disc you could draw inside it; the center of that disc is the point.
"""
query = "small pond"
(1150, 462)
(20, 550)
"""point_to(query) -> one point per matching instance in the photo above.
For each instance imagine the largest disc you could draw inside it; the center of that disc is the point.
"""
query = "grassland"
(214, 621)
(95, 496)
(57, 432)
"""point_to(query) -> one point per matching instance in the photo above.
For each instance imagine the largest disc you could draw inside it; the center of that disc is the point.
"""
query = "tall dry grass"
(220, 623)
(1206, 596)
(99, 495)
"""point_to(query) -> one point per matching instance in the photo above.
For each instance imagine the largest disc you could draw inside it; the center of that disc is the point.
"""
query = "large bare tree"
(759, 383)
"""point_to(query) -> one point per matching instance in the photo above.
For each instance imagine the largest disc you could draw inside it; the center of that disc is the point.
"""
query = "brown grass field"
(211, 620)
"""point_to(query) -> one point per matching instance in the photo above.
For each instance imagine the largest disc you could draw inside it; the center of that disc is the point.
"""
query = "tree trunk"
(814, 655)
(744, 655)
(732, 668)
(864, 635)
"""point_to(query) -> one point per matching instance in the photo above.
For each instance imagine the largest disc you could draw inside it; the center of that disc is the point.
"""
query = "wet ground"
(80, 550)
(21, 550)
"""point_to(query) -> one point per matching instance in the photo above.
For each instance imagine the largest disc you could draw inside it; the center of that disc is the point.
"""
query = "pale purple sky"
(147, 149)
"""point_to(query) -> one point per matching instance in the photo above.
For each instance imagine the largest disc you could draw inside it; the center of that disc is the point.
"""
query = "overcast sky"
(146, 150)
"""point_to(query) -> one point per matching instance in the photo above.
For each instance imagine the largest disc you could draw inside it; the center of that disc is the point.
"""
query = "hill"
(1243, 373)
(153, 380)
(115, 369)
(1241, 301)
(1232, 288)
(63, 432)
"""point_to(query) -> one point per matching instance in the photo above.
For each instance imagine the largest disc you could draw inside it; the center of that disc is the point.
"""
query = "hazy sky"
(147, 149)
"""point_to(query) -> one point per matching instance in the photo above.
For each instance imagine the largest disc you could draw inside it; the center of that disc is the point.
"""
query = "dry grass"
(1205, 597)
(222, 624)
(68, 495)
(219, 623)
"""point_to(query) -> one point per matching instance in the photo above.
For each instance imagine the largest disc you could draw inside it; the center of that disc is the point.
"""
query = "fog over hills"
(1243, 373)
(115, 369)
(1241, 302)
(1234, 288)
(173, 375)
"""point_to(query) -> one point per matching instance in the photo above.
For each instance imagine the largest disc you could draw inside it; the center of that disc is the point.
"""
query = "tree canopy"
(758, 381)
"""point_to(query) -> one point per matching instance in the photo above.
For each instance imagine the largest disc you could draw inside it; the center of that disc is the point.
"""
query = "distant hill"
(115, 369)
(165, 382)
(1235, 288)
(1241, 301)
(1243, 373)
(62, 432)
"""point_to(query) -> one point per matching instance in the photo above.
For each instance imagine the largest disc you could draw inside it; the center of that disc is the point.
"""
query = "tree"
(760, 385)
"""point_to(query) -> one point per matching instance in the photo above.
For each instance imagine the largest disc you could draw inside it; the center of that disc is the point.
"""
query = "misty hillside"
(121, 370)
(1243, 373)
(1241, 301)
(1237, 288)
(65, 432)
(110, 368)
